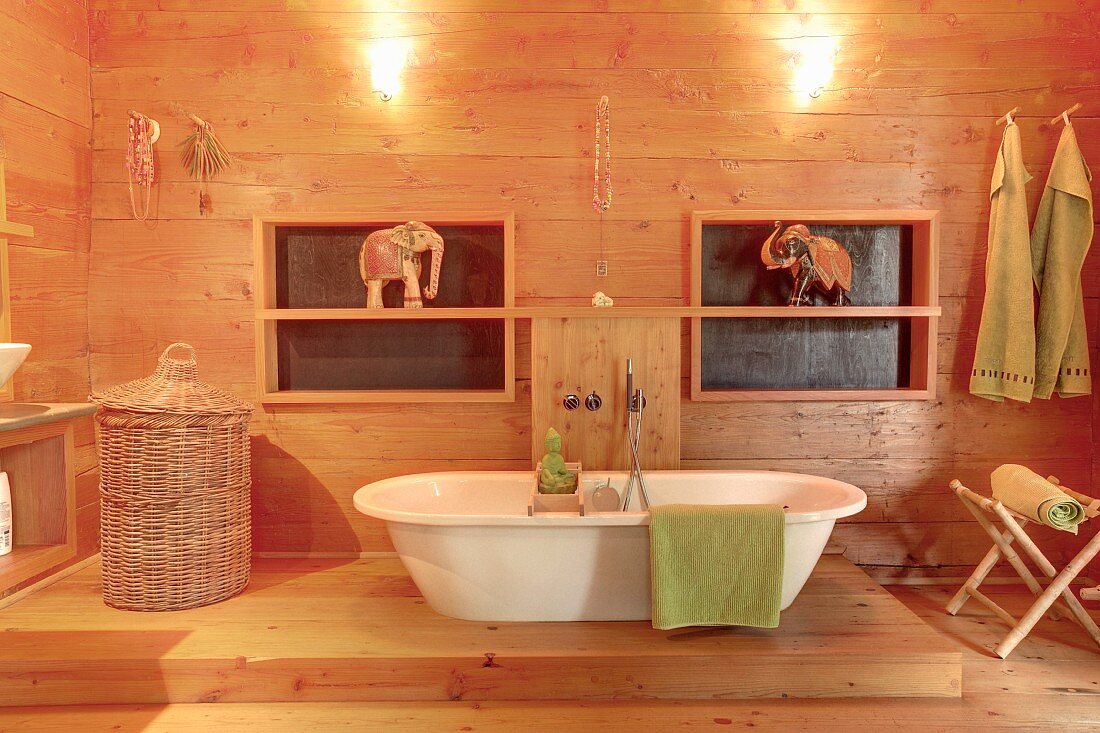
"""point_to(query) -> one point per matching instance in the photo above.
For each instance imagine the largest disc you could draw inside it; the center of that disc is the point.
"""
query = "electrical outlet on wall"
(601, 268)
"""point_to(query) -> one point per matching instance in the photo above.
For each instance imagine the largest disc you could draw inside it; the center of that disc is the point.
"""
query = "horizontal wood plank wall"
(496, 112)
(46, 144)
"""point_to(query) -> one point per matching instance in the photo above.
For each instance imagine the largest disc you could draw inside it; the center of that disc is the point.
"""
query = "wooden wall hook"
(1007, 117)
(1065, 115)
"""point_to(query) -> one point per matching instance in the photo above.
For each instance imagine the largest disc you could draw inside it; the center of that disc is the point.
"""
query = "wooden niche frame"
(269, 315)
(922, 313)
(40, 460)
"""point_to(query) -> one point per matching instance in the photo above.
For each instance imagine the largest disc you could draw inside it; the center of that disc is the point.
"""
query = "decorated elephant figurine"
(394, 254)
(812, 260)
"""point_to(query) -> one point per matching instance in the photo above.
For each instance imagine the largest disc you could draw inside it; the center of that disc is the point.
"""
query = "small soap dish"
(556, 503)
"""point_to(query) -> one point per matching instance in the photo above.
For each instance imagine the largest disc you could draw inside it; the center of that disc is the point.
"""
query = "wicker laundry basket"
(176, 529)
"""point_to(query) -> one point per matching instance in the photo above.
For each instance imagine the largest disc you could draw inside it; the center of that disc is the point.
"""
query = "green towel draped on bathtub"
(716, 565)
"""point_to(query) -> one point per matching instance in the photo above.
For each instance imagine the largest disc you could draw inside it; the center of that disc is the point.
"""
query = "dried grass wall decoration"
(204, 156)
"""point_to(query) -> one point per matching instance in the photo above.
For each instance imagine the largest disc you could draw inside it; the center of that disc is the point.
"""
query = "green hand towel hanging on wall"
(1059, 241)
(1004, 362)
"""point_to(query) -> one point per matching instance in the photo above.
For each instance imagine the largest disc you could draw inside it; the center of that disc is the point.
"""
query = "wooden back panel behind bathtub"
(582, 355)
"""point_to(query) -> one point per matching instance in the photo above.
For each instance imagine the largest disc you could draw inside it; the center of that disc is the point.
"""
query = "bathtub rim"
(857, 501)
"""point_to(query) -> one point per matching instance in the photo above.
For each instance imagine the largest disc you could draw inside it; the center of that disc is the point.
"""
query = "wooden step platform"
(336, 631)
(980, 714)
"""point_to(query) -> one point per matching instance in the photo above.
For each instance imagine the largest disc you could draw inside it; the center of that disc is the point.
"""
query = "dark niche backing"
(733, 274)
(421, 354)
(805, 353)
(318, 267)
(825, 353)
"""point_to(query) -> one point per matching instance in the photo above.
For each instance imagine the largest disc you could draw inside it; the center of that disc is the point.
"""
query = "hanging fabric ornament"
(204, 156)
(143, 133)
(603, 124)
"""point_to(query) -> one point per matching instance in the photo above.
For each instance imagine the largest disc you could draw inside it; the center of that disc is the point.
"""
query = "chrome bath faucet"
(635, 409)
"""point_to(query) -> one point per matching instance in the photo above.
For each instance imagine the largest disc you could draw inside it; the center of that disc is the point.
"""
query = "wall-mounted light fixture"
(812, 61)
(387, 60)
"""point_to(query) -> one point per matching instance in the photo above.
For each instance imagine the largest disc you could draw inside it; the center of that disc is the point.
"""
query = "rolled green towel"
(716, 565)
(1026, 492)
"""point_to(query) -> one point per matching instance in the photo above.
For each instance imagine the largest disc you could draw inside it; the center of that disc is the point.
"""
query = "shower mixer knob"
(571, 402)
(593, 402)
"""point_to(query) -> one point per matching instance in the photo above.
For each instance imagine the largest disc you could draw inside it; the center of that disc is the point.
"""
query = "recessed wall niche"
(318, 342)
(458, 354)
(733, 275)
(318, 267)
(756, 347)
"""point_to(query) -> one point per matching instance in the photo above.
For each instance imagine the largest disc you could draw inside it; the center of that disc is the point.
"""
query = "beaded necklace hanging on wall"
(143, 132)
(601, 204)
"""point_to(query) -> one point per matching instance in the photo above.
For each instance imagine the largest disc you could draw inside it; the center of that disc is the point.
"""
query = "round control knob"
(571, 402)
(593, 402)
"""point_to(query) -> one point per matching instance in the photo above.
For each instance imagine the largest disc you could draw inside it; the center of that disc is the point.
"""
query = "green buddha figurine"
(555, 477)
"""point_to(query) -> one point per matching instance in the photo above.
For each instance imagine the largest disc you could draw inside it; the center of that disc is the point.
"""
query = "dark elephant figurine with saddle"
(812, 260)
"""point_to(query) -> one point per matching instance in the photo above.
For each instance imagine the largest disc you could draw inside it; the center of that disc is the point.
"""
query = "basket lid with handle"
(174, 387)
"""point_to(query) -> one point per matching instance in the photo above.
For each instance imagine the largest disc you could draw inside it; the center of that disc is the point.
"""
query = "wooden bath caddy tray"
(556, 503)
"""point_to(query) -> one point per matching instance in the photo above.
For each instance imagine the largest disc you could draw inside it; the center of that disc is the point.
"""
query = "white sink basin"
(11, 357)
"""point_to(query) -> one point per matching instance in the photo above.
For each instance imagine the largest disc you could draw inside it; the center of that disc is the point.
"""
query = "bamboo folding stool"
(1047, 600)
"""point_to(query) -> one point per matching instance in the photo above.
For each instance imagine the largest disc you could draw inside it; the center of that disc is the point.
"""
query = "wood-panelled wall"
(497, 113)
(45, 141)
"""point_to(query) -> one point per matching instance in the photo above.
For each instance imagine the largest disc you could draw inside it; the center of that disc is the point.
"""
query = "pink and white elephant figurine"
(394, 254)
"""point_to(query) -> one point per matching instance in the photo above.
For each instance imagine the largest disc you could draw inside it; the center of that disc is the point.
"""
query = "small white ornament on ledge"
(599, 300)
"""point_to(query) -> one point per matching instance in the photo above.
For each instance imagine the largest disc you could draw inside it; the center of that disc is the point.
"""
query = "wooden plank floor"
(339, 631)
(1051, 682)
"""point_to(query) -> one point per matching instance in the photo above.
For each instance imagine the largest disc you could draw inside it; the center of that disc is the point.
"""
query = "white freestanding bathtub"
(473, 552)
